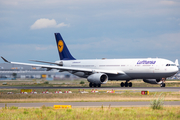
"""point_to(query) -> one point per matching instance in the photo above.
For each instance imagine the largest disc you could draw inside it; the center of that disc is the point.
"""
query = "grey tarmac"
(89, 104)
(151, 89)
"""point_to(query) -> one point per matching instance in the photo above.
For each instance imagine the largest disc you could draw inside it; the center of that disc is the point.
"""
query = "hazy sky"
(91, 29)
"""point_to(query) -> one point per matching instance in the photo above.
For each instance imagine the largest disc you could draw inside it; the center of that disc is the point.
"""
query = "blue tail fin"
(64, 53)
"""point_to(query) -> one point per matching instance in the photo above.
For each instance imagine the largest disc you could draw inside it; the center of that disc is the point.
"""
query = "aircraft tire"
(126, 84)
(94, 85)
(130, 84)
(99, 85)
(90, 84)
(163, 84)
(122, 84)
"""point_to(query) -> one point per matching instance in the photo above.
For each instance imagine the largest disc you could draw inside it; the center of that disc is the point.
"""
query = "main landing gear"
(126, 84)
(94, 85)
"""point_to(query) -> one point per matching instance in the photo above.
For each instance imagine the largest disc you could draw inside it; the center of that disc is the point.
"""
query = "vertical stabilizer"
(63, 51)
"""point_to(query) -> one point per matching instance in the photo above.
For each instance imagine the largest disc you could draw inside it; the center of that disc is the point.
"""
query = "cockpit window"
(173, 64)
(170, 64)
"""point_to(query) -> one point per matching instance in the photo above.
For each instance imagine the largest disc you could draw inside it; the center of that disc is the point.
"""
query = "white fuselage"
(147, 68)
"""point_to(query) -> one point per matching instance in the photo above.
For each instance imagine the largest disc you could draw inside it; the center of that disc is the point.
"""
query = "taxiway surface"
(151, 89)
(90, 104)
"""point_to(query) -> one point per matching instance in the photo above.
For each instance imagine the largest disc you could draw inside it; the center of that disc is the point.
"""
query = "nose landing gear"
(126, 84)
(162, 82)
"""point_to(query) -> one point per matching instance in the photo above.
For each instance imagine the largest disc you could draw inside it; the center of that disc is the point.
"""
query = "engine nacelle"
(98, 78)
(152, 81)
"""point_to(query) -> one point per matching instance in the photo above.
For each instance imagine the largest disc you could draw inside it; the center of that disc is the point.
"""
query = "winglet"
(5, 60)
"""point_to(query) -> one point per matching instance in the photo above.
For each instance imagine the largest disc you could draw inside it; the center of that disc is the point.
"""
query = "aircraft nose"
(176, 69)
(173, 70)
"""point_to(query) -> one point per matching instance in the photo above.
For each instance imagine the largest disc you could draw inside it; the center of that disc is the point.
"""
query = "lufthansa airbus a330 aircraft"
(99, 71)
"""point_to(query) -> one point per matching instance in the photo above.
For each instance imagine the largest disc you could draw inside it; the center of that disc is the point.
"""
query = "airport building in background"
(9, 71)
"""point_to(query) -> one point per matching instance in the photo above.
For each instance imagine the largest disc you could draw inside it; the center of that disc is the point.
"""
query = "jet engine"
(98, 78)
(152, 81)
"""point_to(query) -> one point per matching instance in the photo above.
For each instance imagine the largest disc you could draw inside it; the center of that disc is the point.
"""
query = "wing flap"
(59, 64)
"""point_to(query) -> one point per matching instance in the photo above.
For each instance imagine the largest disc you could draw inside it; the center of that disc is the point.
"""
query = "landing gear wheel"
(163, 84)
(130, 84)
(90, 84)
(99, 85)
(122, 84)
(126, 84)
(94, 85)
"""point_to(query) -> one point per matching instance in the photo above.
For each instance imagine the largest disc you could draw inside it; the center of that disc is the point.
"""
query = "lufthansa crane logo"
(60, 45)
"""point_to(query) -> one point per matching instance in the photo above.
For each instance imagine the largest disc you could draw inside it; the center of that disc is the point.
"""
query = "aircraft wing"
(67, 68)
